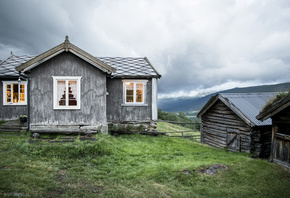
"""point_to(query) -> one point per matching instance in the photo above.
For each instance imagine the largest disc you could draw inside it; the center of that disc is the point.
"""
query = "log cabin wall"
(219, 122)
(280, 152)
(92, 112)
(10, 112)
(222, 128)
(261, 141)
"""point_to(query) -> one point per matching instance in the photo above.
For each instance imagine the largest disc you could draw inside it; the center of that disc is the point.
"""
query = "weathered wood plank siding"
(10, 112)
(222, 128)
(280, 152)
(93, 95)
(218, 121)
(117, 112)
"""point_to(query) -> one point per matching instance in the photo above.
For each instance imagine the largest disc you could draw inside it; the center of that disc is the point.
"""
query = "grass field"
(169, 127)
(132, 166)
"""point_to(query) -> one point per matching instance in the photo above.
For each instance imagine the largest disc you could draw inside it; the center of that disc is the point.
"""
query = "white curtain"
(74, 88)
(139, 92)
(61, 95)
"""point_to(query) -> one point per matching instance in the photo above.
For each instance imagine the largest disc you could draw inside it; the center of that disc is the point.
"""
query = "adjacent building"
(229, 121)
(279, 111)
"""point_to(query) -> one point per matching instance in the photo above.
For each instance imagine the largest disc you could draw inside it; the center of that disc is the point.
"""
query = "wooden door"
(233, 140)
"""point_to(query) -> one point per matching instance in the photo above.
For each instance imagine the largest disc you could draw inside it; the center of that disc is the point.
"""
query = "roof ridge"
(66, 46)
(119, 57)
(7, 58)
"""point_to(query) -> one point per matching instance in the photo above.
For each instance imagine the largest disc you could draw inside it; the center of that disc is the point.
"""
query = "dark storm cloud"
(196, 44)
(31, 26)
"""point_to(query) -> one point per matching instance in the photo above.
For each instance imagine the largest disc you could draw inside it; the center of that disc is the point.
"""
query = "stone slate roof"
(125, 67)
(7, 67)
(131, 67)
(246, 105)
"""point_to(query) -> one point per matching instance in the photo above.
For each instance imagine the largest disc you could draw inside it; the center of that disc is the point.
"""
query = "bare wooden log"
(213, 132)
(216, 139)
(225, 121)
(213, 143)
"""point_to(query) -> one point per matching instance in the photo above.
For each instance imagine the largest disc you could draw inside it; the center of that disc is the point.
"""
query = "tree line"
(179, 117)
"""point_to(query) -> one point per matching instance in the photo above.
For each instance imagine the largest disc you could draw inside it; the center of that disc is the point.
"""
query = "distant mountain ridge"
(196, 103)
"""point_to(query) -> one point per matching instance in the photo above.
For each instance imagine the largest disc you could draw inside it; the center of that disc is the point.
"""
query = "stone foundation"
(145, 126)
(67, 129)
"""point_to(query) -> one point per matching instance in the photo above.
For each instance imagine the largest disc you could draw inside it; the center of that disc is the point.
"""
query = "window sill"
(15, 104)
(66, 108)
(134, 105)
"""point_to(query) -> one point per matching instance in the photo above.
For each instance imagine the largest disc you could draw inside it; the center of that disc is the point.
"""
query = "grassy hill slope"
(132, 166)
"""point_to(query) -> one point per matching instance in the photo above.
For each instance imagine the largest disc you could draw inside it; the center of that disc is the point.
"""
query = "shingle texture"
(126, 67)
(250, 104)
(135, 67)
(7, 67)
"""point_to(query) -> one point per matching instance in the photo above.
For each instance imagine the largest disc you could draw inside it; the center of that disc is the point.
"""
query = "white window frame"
(5, 83)
(66, 79)
(144, 82)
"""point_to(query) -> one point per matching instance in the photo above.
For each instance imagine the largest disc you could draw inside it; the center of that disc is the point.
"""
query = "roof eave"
(217, 97)
(65, 47)
(237, 111)
(91, 59)
(136, 76)
(209, 103)
(41, 58)
(9, 77)
(273, 110)
(158, 75)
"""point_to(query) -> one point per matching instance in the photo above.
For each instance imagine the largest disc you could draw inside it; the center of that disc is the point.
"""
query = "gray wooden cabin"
(228, 121)
(279, 111)
(8, 74)
(68, 90)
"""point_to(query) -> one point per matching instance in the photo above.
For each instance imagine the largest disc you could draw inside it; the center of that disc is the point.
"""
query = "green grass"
(169, 127)
(2, 122)
(132, 166)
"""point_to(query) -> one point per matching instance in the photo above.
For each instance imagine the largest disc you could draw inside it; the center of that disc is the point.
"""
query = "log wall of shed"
(92, 112)
(218, 121)
(280, 151)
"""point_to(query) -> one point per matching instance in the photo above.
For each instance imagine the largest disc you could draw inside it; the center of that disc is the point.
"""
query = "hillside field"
(132, 166)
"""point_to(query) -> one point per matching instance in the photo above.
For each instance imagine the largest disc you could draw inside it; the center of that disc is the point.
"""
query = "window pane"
(15, 93)
(139, 92)
(8, 93)
(22, 93)
(129, 92)
(61, 94)
(72, 93)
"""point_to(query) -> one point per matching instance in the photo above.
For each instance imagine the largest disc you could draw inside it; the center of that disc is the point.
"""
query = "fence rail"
(174, 122)
(193, 137)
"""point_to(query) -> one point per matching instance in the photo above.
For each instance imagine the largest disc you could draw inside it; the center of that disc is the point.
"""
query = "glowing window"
(14, 93)
(134, 91)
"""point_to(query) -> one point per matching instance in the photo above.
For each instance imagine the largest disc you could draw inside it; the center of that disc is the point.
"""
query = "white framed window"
(134, 91)
(14, 93)
(66, 92)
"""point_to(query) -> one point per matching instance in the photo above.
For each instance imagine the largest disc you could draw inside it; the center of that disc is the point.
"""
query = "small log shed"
(228, 121)
(279, 111)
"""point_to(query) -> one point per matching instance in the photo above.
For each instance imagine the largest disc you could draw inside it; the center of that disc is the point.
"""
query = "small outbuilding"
(229, 121)
(279, 111)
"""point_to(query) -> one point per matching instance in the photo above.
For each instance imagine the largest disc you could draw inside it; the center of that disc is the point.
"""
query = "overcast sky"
(196, 45)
